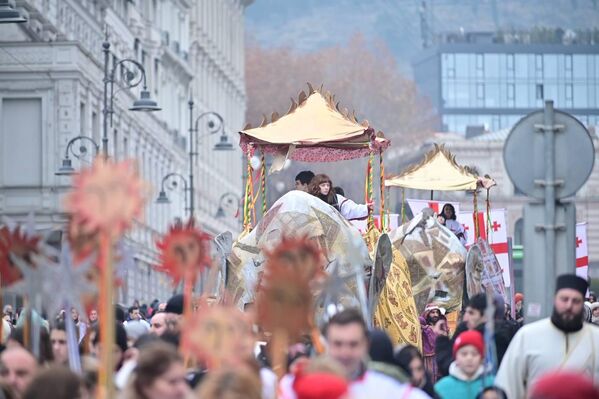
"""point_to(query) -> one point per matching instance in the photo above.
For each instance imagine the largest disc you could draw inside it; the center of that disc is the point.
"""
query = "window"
(82, 127)
(569, 95)
(136, 45)
(156, 82)
(480, 91)
(539, 91)
(21, 152)
(95, 127)
(511, 92)
(509, 61)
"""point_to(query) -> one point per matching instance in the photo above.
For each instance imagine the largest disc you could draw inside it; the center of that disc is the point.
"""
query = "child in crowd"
(466, 377)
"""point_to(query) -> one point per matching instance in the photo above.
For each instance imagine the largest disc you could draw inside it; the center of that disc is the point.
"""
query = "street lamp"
(171, 178)
(9, 14)
(227, 199)
(77, 152)
(128, 77)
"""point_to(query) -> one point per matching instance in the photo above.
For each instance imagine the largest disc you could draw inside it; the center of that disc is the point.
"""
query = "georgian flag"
(497, 237)
(417, 205)
(582, 251)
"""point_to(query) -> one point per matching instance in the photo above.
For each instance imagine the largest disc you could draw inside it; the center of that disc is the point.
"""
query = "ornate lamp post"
(130, 80)
(215, 124)
(171, 180)
(77, 152)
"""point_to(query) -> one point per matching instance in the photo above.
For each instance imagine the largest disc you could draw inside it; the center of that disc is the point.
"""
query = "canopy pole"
(488, 204)
(249, 192)
(475, 216)
(263, 180)
(382, 187)
(432, 194)
(369, 191)
(403, 205)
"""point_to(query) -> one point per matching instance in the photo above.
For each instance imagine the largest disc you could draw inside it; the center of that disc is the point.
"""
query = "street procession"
(268, 199)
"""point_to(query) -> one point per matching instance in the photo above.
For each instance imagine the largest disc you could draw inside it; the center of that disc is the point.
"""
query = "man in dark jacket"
(474, 319)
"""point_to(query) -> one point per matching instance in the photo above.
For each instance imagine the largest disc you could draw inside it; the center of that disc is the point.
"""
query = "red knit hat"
(519, 297)
(564, 385)
(470, 337)
(319, 386)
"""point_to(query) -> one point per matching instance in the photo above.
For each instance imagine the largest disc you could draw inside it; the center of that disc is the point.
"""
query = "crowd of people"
(489, 353)
(532, 361)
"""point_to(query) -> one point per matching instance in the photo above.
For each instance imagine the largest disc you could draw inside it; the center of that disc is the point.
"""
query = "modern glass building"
(481, 82)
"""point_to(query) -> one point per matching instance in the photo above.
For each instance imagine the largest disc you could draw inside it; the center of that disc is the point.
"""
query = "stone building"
(51, 90)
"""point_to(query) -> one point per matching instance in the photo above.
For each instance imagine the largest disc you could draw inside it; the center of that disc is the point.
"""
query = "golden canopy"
(315, 130)
(438, 171)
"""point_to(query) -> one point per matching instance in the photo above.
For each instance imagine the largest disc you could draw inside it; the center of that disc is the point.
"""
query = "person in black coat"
(474, 319)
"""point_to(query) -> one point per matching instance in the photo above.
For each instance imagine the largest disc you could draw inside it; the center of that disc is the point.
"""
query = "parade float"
(316, 129)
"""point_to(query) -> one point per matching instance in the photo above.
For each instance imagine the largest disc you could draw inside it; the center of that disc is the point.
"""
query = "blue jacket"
(457, 386)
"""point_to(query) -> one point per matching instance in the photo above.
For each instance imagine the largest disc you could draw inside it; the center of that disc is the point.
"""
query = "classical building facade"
(51, 90)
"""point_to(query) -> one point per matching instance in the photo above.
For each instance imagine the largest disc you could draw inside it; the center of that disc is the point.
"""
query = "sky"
(306, 25)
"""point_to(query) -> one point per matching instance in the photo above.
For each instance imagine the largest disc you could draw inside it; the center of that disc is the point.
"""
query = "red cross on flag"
(582, 251)
(497, 237)
(417, 205)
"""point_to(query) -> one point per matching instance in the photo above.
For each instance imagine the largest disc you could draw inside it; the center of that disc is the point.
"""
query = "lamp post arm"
(80, 138)
(129, 80)
(186, 188)
(217, 128)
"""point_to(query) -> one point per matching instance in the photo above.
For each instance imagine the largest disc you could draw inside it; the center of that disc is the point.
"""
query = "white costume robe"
(456, 228)
(540, 347)
(350, 210)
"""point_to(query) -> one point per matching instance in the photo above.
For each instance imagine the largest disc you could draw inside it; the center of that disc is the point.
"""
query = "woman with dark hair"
(321, 186)
(452, 224)
(159, 374)
(409, 358)
(56, 382)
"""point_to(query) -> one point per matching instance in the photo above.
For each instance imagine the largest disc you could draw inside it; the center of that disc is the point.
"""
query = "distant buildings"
(51, 90)
(492, 80)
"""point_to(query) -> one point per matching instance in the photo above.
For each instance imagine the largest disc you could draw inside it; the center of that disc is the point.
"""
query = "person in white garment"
(448, 213)
(561, 342)
(321, 186)
(347, 343)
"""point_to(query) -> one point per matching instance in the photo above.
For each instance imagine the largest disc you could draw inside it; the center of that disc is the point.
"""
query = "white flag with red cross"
(497, 237)
(417, 205)
(582, 251)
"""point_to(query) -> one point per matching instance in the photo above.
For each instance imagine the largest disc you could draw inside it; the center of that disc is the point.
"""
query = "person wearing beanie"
(474, 319)
(564, 385)
(560, 342)
(467, 377)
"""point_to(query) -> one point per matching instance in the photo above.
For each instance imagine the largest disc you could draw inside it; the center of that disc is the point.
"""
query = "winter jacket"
(504, 332)
(458, 386)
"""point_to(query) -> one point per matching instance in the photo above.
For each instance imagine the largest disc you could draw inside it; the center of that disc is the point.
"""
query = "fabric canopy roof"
(312, 124)
(438, 171)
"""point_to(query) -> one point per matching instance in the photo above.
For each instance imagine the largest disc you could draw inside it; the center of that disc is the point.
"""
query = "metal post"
(550, 220)
(105, 111)
(191, 185)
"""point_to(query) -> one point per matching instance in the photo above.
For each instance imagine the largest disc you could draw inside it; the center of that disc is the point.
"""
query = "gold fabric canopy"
(314, 121)
(315, 129)
(438, 171)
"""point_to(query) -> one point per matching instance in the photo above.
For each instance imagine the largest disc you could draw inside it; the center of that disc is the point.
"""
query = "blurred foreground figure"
(564, 385)
(562, 342)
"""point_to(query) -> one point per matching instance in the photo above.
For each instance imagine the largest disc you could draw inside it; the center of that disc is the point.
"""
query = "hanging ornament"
(255, 162)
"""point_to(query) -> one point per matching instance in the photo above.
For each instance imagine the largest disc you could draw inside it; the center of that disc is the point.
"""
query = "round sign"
(525, 161)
